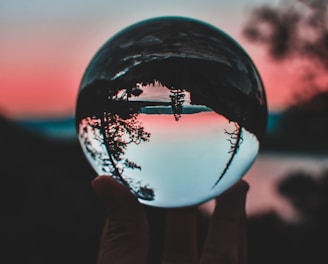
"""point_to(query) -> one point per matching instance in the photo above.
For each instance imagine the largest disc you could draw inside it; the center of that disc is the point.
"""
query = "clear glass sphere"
(174, 109)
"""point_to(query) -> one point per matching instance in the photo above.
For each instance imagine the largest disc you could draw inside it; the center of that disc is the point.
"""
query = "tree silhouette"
(118, 133)
(176, 97)
(177, 100)
(114, 127)
(235, 140)
(115, 134)
(302, 127)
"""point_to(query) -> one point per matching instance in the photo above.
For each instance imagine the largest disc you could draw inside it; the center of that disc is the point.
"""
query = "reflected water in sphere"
(172, 108)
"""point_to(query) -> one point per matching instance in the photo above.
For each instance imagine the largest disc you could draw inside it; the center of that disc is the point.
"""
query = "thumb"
(125, 237)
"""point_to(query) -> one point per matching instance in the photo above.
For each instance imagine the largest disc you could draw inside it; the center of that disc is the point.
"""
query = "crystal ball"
(174, 109)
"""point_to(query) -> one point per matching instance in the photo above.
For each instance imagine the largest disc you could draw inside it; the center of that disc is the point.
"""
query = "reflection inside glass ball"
(172, 108)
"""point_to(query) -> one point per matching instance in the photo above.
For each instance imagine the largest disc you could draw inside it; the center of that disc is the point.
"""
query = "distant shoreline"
(65, 127)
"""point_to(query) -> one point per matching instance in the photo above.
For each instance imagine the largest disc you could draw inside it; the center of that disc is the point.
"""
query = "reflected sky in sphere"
(174, 109)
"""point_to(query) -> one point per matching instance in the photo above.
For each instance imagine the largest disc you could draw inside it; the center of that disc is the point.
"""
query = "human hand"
(126, 235)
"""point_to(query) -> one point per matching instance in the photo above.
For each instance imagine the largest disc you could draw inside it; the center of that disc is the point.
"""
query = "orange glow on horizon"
(44, 94)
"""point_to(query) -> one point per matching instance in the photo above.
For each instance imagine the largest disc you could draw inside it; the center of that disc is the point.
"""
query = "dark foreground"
(49, 213)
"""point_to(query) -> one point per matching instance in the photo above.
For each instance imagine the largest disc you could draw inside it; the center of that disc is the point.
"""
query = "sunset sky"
(46, 45)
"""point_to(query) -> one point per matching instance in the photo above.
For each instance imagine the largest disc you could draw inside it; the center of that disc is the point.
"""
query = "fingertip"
(239, 189)
(103, 182)
(103, 186)
(233, 200)
(241, 186)
(112, 193)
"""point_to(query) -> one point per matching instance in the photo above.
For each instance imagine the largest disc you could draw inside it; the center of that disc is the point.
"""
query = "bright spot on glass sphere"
(172, 108)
